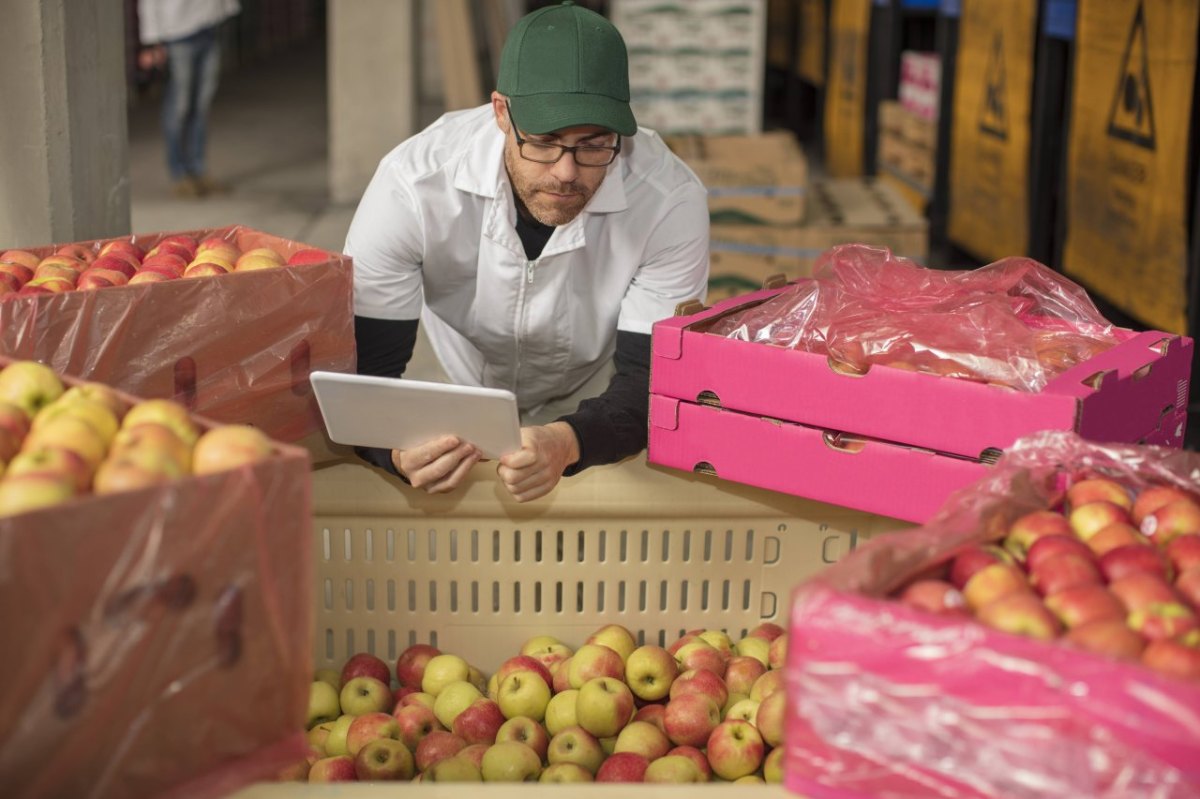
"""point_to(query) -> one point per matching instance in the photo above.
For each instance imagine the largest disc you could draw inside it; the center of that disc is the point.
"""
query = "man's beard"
(541, 208)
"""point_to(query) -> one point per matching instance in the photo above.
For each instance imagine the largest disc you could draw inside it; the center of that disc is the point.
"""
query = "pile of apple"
(121, 262)
(57, 443)
(704, 709)
(1116, 571)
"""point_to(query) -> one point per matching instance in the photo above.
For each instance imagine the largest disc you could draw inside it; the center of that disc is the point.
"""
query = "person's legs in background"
(206, 76)
(176, 105)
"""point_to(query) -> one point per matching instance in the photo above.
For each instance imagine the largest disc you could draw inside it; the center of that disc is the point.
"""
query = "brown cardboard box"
(752, 180)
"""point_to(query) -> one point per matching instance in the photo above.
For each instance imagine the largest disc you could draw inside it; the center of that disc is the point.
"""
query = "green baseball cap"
(564, 66)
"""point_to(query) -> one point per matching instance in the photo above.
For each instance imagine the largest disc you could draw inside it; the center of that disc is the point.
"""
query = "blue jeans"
(194, 66)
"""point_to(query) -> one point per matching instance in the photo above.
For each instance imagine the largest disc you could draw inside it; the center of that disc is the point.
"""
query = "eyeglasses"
(545, 153)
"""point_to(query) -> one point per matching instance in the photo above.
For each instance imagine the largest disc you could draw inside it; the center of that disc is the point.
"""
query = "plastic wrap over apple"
(1013, 323)
(887, 698)
(232, 325)
(159, 639)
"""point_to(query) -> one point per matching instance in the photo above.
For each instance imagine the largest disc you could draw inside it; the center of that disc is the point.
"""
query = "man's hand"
(536, 468)
(438, 466)
(150, 57)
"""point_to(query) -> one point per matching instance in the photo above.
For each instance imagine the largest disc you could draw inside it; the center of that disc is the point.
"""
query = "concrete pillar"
(64, 146)
(372, 88)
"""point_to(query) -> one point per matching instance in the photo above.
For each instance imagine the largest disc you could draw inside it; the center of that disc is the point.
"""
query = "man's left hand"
(535, 469)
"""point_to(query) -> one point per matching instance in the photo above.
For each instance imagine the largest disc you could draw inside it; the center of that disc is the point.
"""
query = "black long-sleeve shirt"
(609, 427)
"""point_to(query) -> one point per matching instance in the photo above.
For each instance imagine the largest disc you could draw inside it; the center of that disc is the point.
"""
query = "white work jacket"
(435, 237)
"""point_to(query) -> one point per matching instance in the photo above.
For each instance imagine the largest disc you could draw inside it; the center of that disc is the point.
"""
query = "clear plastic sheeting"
(889, 701)
(159, 640)
(237, 348)
(1013, 323)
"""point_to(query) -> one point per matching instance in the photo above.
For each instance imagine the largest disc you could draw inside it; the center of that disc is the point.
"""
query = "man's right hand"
(438, 466)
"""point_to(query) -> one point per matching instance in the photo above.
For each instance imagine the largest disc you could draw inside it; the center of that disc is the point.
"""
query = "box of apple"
(157, 581)
(1039, 637)
(238, 349)
(705, 709)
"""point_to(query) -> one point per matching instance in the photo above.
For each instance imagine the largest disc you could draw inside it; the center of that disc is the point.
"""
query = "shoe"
(209, 186)
(186, 188)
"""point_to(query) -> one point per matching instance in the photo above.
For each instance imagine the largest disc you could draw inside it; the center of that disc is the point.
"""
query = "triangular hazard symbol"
(993, 116)
(1132, 116)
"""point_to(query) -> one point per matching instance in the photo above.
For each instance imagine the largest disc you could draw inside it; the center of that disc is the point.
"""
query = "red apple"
(623, 767)
(20, 257)
(1184, 552)
(735, 749)
(683, 641)
(1098, 489)
(973, 559)
(479, 722)
(1052, 545)
(1153, 498)
(437, 745)
(205, 269)
(1063, 571)
(1140, 589)
(47, 271)
(562, 676)
(1174, 658)
(175, 264)
(125, 247)
(652, 713)
(701, 681)
(384, 759)
(766, 629)
(364, 664)
(1123, 561)
(1174, 519)
(1115, 535)
(1187, 584)
(770, 719)
(370, 727)
(1087, 520)
(1111, 637)
(524, 663)
(77, 251)
(22, 273)
(594, 660)
(1023, 532)
(333, 769)
(1163, 620)
(75, 264)
(410, 666)
(699, 655)
(696, 756)
(742, 673)
(777, 654)
(309, 256)
(149, 276)
(416, 721)
(95, 278)
(1022, 614)
(1084, 604)
(690, 718)
(993, 582)
(526, 731)
(934, 596)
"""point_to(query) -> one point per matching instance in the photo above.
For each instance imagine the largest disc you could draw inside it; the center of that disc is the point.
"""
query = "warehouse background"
(976, 129)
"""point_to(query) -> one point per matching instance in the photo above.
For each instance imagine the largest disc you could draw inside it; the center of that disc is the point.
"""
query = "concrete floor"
(268, 143)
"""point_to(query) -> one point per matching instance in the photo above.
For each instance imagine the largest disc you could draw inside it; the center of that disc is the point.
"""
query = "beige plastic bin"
(477, 574)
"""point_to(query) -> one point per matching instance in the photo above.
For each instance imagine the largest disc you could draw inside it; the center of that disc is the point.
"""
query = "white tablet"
(401, 414)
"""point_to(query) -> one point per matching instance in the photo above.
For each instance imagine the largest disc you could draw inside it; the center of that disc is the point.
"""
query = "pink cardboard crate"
(874, 476)
(1134, 392)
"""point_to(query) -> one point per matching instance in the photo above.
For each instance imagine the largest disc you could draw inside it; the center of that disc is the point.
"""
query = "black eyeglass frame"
(563, 149)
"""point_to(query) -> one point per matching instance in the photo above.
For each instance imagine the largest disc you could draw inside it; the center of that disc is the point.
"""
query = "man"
(182, 35)
(537, 238)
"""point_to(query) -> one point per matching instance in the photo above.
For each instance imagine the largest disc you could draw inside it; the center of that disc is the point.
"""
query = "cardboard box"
(840, 211)
(891, 117)
(162, 635)
(1135, 392)
(874, 476)
(756, 180)
(918, 131)
(880, 685)
(236, 348)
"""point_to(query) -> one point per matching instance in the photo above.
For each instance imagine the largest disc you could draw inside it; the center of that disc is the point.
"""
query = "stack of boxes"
(695, 66)
(908, 128)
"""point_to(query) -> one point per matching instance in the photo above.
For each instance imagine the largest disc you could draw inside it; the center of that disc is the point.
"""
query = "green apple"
(28, 492)
(616, 638)
(167, 412)
(604, 706)
(511, 761)
(323, 704)
(773, 766)
(576, 745)
(363, 695)
(453, 699)
(757, 648)
(335, 742)
(744, 710)
(318, 735)
(476, 678)
(524, 693)
(673, 768)
(441, 670)
(330, 676)
(731, 702)
(97, 415)
(565, 772)
(454, 769)
(384, 759)
(643, 738)
(560, 713)
(718, 639)
(29, 385)
(649, 672)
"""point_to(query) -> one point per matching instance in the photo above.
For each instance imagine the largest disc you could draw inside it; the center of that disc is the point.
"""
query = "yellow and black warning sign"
(810, 54)
(846, 92)
(1135, 66)
(989, 141)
